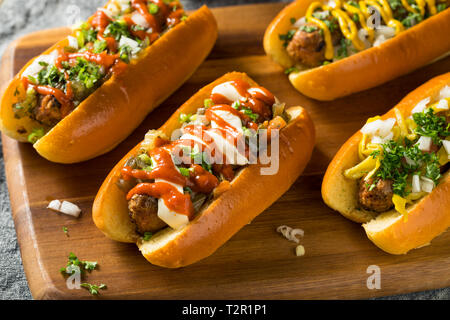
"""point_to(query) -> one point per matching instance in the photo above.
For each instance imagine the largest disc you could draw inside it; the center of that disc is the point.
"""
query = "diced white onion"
(377, 140)
(300, 22)
(227, 90)
(424, 143)
(73, 42)
(134, 45)
(442, 105)
(34, 68)
(54, 205)
(427, 185)
(65, 207)
(415, 184)
(70, 209)
(446, 144)
(420, 107)
(139, 19)
(379, 40)
(381, 128)
(444, 93)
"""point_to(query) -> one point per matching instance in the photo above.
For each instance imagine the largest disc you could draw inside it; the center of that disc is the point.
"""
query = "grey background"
(19, 17)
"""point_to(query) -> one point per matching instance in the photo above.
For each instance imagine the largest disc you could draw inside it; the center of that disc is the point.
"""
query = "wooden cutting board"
(257, 263)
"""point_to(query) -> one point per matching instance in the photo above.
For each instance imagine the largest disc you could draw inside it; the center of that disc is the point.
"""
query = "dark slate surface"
(19, 17)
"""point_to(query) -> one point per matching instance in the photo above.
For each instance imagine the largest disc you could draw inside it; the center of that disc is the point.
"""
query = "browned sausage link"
(376, 195)
(307, 48)
(48, 110)
(143, 211)
(308, 44)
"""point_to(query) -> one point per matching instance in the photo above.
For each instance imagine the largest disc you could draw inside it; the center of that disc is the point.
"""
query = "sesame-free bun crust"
(404, 53)
(250, 193)
(117, 107)
(427, 217)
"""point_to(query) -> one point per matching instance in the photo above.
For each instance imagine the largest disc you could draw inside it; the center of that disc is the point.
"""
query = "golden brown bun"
(404, 53)
(427, 218)
(249, 195)
(115, 109)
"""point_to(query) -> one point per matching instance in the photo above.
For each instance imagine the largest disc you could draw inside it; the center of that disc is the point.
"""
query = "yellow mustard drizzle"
(348, 27)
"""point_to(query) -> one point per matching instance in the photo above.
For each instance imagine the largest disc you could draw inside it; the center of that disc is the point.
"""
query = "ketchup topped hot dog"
(115, 35)
(193, 183)
(186, 170)
(112, 46)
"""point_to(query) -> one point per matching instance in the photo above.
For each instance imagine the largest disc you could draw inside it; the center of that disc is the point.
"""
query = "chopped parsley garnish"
(332, 25)
(147, 236)
(441, 7)
(117, 29)
(309, 29)
(393, 165)
(50, 76)
(353, 3)
(100, 46)
(66, 231)
(287, 37)
(73, 261)
(412, 19)
(291, 69)
(344, 50)
(85, 72)
(93, 289)
(431, 125)
(125, 53)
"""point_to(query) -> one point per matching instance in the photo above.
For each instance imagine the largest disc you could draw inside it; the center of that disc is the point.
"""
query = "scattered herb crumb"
(93, 289)
(66, 231)
(147, 236)
(73, 261)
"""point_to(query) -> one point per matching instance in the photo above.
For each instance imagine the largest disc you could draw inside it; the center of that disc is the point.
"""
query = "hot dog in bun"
(393, 175)
(85, 94)
(334, 48)
(193, 183)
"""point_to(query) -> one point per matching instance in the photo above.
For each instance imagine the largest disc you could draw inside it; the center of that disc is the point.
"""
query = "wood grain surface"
(257, 263)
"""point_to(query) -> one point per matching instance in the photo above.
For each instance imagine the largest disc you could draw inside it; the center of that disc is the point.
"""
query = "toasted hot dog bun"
(427, 218)
(232, 208)
(404, 53)
(117, 107)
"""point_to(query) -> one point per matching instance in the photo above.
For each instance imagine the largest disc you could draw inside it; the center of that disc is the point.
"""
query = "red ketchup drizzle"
(175, 200)
(199, 179)
(141, 7)
(211, 116)
(66, 103)
(258, 99)
(100, 21)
